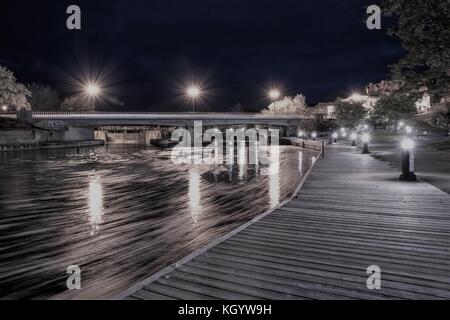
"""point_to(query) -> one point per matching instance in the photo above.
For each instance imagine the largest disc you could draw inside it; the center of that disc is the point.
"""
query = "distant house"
(324, 110)
(387, 87)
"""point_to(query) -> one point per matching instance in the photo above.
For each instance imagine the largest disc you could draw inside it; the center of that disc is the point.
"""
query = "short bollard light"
(314, 136)
(353, 136)
(408, 130)
(335, 136)
(365, 138)
(408, 160)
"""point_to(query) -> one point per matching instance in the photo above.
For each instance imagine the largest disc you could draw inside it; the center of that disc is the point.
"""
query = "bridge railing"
(170, 116)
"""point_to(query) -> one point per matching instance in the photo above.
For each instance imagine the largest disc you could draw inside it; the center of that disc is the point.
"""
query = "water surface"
(121, 213)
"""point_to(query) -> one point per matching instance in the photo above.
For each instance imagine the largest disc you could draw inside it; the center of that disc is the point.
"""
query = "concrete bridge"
(69, 126)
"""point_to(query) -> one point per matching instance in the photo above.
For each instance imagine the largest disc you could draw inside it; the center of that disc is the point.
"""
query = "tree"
(441, 119)
(423, 26)
(349, 113)
(76, 104)
(13, 93)
(324, 125)
(43, 97)
(293, 105)
(395, 107)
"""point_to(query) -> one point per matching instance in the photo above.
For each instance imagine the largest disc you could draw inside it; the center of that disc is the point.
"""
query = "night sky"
(144, 52)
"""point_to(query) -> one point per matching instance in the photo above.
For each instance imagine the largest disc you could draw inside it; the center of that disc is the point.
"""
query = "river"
(120, 213)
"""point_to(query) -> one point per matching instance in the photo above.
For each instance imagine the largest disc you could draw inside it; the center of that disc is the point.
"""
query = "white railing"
(161, 116)
(8, 115)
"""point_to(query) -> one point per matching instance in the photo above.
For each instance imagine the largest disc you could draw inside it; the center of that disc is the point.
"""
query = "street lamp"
(274, 94)
(4, 108)
(353, 136)
(365, 138)
(335, 136)
(92, 90)
(408, 130)
(408, 174)
(356, 97)
(193, 92)
(314, 136)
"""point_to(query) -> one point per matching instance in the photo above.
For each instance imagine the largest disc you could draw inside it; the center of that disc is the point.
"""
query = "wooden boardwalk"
(351, 213)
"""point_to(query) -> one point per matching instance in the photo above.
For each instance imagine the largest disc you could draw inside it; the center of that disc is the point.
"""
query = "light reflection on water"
(194, 194)
(95, 202)
(121, 213)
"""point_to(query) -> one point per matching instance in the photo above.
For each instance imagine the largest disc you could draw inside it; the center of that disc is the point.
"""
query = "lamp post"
(4, 108)
(408, 160)
(353, 136)
(193, 93)
(314, 136)
(274, 94)
(365, 138)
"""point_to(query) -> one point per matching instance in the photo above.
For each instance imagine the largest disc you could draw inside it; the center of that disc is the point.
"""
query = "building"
(386, 87)
(324, 110)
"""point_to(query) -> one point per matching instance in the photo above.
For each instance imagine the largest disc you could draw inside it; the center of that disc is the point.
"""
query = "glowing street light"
(92, 90)
(353, 136)
(274, 94)
(4, 108)
(401, 124)
(408, 130)
(356, 97)
(408, 174)
(365, 138)
(193, 92)
(314, 136)
(407, 144)
(335, 136)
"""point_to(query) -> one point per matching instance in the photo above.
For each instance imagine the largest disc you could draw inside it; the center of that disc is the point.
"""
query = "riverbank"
(351, 213)
(49, 145)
